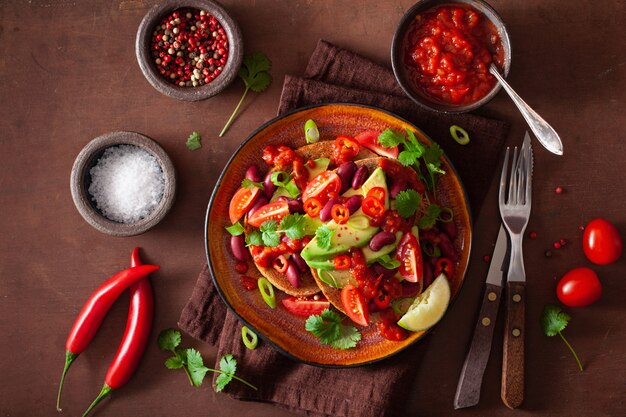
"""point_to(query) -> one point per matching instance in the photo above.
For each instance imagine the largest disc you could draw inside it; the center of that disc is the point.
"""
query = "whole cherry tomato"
(580, 287)
(602, 243)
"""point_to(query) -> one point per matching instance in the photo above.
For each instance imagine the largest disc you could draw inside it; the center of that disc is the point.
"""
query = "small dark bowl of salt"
(123, 183)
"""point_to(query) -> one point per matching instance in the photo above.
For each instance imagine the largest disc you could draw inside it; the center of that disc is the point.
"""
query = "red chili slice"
(378, 193)
(373, 207)
(312, 207)
(340, 213)
(342, 262)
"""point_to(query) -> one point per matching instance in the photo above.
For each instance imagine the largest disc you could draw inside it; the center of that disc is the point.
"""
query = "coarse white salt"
(127, 183)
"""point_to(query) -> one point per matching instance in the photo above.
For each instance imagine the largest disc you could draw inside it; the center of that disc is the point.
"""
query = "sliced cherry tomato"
(580, 287)
(382, 299)
(322, 186)
(305, 306)
(373, 207)
(602, 243)
(354, 304)
(312, 207)
(444, 265)
(410, 256)
(272, 211)
(369, 139)
(340, 213)
(241, 202)
(344, 149)
(280, 264)
(378, 193)
(342, 262)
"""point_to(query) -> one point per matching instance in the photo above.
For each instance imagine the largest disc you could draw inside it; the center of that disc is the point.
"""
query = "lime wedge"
(429, 307)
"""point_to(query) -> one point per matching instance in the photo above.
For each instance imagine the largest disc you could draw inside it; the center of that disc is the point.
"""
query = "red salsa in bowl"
(444, 53)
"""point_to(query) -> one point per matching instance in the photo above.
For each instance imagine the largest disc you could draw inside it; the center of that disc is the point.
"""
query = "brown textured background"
(68, 74)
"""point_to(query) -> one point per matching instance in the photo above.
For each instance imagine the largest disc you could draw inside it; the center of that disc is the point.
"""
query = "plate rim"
(251, 327)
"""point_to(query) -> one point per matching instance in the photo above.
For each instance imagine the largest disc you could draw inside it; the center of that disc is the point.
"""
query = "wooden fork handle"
(512, 392)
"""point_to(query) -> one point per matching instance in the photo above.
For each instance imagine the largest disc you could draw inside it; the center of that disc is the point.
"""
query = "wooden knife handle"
(512, 392)
(471, 379)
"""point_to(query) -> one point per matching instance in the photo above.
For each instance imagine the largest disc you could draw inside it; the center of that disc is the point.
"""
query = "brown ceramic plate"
(277, 326)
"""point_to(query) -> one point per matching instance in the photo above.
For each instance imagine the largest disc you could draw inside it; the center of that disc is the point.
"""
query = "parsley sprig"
(190, 360)
(255, 75)
(328, 327)
(292, 225)
(414, 154)
(554, 321)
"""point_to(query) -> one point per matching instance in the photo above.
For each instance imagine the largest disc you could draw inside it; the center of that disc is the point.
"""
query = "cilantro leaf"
(236, 229)
(193, 141)
(324, 235)
(389, 138)
(169, 339)
(174, 362)
(430, 217)
(196, 367)
(293, 226)
(254, 238)
(388, 262)
(348, 336)
(413, 145)
(407, 202)
(249, 184)
(554, 321)
(408, 158)
(255, 75)
(328, 328)
(269, 233)
(432, 158)
(228, 364)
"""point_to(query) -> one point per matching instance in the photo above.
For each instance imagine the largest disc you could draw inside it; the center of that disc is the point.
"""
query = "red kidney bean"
(411, 289)
(359, 177)
(299, 262)
(238, 246)
(381, 239)
(295, 206)
(346, 173)
(378, 270)
(253, 174)
(449, 229)
(325, 214)
(293, 274)
(268, 186)
(354, 203)
(447, 248)
(260, 202)
(397, 185)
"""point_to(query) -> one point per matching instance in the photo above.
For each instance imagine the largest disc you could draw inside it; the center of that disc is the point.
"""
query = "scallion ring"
(459, 135)
(292, 189)
(431, 250)
(446, 215)
(311, 133)
(267, 292)
(280, 178)
(249, 338)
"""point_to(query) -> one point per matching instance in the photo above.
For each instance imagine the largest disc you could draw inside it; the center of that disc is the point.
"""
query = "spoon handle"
(546, 135)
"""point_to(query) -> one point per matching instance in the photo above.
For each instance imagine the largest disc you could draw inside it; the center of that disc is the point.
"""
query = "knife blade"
(471, 379)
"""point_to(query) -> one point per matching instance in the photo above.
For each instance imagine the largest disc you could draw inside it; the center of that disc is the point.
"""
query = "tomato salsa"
(448, 52)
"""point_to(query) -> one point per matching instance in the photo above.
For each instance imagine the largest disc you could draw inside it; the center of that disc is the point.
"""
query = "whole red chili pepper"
(93, 312)
(135, 337)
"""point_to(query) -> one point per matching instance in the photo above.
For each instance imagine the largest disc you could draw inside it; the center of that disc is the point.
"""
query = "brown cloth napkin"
(337, 75)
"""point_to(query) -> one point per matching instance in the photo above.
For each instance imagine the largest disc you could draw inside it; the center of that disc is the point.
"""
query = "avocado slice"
(321, 165)
(372, 256)
(311, 224)
(376, 179)
(321, 264)
(336, 279)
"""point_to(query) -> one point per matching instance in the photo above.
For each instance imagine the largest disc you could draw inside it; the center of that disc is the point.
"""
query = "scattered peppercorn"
(563, 242)
(558, 190)
(557, 245)
(189, 47)
(548, 253)
(487, 258)
(532, 235)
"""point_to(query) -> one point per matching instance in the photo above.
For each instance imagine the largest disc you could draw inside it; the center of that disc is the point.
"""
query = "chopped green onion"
(236, 229)
(249, 184)
(459, 135)
(401, 305)
(311, 133)
(446, 215)
(267, 292)
(292, 189)
(276, 178)
(249, 338)
(430, 249)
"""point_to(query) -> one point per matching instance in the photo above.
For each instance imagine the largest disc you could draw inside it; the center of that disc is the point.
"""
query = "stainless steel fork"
(515, 202)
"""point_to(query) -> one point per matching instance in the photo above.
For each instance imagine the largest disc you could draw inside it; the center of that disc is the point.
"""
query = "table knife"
(470, 381)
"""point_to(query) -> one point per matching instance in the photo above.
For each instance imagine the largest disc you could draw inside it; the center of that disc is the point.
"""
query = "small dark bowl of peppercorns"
(189, 49)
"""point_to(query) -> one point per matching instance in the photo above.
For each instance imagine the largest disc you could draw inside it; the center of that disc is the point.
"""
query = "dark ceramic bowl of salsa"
(441, 52)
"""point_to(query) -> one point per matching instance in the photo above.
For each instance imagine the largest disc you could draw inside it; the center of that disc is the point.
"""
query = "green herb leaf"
(430, 217)
(432, 158)
(249, 184)
(193, 141)
(408, 158)
(269, 233)
(293, 226)
(324, 234)
(407, 202)
(413, 145)
(196, 367)
(554, 320)
(236, 229)
(169, 339)
(228, 364)
(173, 362)
(388, 262)
(255, 75)
(390, 138)
(328, 328)
(254, 238)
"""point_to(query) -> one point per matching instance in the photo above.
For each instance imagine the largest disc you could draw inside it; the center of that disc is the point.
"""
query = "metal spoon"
(546, 135)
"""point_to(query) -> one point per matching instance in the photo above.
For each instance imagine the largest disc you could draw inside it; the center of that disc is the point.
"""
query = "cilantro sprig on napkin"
(554, 321)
